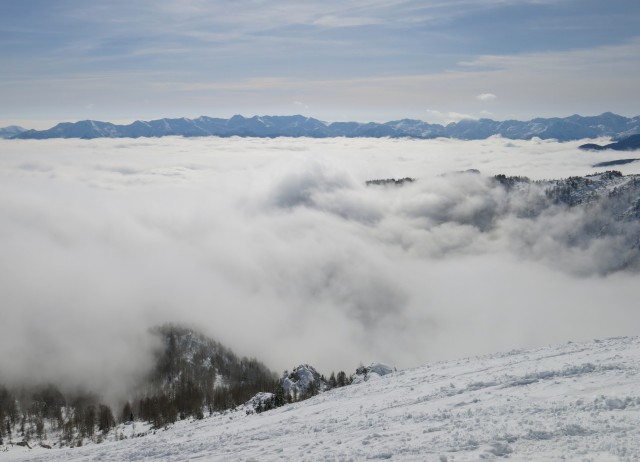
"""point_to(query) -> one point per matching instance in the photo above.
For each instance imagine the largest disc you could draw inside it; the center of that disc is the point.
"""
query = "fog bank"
(277, 249)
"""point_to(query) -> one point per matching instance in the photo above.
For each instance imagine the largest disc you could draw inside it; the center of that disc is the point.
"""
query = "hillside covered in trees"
(193, 376)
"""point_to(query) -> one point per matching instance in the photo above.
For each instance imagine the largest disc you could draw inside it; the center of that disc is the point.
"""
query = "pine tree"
(105, 419)
(90, 420)
(279, 395)
(40, 428)
(341, 379)
(67, 432)
(127, 413)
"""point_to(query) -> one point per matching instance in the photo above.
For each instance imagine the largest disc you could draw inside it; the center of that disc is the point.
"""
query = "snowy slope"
(572, 402)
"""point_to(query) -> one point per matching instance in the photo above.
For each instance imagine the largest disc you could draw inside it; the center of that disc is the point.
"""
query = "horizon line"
(453, 122)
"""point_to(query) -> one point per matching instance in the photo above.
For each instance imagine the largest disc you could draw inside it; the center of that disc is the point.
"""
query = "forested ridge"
(192, 376)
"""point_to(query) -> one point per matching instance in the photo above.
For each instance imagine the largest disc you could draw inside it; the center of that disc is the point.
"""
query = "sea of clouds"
(278, 249)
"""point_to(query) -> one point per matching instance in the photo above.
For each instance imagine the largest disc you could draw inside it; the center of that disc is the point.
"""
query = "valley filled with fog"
(278, 249)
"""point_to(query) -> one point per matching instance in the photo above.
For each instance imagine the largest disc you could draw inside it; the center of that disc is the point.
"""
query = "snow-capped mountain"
(562, 129)
(11, 131)
(575, 401)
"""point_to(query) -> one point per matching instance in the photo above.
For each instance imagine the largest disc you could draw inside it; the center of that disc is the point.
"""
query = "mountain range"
(563, 129)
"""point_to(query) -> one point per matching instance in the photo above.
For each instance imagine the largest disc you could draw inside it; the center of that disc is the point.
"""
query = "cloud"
(486, 97)
(362, 55)
(598, 75)
(448, 117)
(279, 250)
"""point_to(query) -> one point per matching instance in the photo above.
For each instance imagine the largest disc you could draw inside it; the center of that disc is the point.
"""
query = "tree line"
(193, 376)
(24, 413)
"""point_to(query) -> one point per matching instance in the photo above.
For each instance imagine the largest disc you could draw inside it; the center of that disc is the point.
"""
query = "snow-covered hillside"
(576, 401)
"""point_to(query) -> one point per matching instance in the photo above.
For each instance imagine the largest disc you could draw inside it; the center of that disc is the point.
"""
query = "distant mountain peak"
(11, 131)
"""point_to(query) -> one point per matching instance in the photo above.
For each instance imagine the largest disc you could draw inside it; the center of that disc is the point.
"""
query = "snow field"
(576, 401)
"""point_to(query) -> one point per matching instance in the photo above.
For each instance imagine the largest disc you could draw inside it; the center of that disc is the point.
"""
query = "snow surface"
(576, 401)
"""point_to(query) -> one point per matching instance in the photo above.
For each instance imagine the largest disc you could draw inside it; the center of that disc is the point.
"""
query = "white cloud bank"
(279, 250)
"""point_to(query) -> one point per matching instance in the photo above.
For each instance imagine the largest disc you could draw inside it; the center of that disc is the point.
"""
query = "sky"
(277, 249)
(364, 60)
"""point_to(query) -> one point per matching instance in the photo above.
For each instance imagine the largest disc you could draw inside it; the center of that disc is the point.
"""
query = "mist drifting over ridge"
(279, 250)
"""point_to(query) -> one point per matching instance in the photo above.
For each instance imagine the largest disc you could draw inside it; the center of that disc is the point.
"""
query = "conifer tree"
(127, 412)
(105, 419)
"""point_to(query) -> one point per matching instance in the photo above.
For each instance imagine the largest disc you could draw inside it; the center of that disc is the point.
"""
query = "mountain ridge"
(563, 129)
(11, 131)
(630, 143)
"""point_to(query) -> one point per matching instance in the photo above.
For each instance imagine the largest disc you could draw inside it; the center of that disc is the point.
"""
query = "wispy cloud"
(356, 53)
(447, 117)
(486, 97)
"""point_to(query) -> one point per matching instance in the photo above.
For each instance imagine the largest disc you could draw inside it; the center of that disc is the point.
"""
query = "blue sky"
(366, 60)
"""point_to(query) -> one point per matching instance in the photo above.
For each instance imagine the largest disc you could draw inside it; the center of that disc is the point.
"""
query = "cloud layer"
(278, 249)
